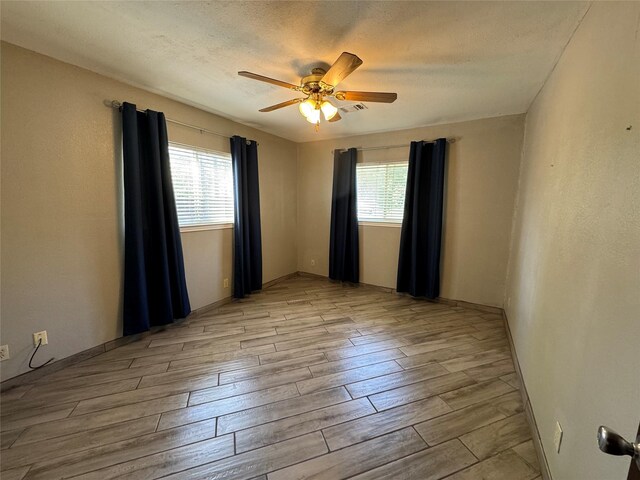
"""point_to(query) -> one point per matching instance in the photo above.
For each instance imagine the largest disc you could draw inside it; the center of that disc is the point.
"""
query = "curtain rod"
(118, 105)
(384, 147)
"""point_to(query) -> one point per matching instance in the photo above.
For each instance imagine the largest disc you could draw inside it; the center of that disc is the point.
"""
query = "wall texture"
(481, 182)
(573, 295)
(61, 206)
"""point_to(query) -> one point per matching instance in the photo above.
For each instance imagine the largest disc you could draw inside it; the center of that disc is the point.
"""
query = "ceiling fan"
(320, 85)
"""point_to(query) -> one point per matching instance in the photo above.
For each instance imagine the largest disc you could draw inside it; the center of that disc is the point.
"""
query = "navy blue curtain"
(344, 261)
(247, 241)
(155, 290)
(421, 238)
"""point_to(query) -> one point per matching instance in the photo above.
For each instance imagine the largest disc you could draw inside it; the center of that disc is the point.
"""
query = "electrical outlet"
(4, 352)
(40, 336)
(226, 283)
(557, 437)
(313, 263)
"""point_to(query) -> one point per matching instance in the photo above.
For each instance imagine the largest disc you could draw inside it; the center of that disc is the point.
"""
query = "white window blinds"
(202, 184)
(381, 189)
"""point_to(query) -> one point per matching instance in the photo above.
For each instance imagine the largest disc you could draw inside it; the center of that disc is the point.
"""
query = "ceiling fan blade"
(382, 97)
(281, 105)
(272, 81)
(341, 68)
(335, 118)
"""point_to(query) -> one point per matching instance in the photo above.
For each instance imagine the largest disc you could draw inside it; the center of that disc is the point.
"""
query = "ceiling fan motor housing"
(311, 83)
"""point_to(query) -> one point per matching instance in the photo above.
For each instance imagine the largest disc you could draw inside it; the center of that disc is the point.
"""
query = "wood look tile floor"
(307, 379)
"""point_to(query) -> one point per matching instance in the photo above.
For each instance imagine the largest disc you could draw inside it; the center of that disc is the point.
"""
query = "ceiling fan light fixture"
(307, 107)
(314, 116)
(329, 111)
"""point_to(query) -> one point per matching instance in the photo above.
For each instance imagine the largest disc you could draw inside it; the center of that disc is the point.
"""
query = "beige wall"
(574, 283)
(481, 182)
(61, 227)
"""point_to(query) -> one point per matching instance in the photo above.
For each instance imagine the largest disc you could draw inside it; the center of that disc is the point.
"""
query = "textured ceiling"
(448, 61)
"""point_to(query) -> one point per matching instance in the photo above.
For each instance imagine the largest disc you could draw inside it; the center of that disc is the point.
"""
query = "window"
(380, 189)
(203, 186)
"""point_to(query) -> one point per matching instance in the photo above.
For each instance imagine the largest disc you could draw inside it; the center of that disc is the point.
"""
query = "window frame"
(205, 226)
(380, 222)
(370, 223)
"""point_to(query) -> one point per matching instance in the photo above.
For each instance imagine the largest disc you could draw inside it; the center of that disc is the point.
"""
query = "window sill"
(380, 224)
(201, 228)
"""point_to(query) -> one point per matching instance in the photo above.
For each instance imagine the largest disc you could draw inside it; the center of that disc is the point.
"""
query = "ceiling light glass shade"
(314, 116)
(328, 110)
(307, 107)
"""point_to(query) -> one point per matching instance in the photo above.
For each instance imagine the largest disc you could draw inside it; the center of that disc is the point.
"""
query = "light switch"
(557, 437)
